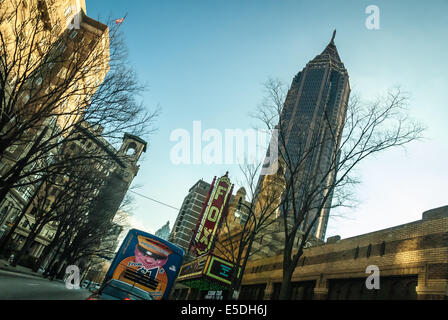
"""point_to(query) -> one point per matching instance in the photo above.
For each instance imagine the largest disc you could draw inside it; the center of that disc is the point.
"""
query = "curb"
(4, 267)
(11, 269)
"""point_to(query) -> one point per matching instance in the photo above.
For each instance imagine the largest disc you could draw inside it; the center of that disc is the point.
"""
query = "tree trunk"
(60, 264)
(8, 236)
(19, 166)
(239, 279)
(285, 289)
(54, 260)
(43, 256)
(288, 268)
(16, 223)
(34, 232)
(47, 250)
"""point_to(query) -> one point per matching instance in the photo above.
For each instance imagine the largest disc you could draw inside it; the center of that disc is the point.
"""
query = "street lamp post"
(250, 241)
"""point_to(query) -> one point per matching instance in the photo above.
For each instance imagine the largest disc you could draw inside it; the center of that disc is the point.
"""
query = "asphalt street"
(17, 286)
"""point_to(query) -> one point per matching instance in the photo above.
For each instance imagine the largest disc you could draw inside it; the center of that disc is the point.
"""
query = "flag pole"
(116, 29)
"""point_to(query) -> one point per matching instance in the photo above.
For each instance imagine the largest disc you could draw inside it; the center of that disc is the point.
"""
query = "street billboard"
(147, 262)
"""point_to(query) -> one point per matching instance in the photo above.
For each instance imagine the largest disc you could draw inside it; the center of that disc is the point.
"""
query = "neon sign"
(213, 214)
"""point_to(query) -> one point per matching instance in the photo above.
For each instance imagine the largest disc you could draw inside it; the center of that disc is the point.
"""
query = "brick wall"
(417, 249)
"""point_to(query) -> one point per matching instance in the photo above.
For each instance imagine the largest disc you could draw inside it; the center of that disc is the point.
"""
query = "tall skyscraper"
(188, 216)
(312, 122)
(164, 232)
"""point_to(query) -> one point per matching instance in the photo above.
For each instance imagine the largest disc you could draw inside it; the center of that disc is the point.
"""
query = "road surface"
(17, 286)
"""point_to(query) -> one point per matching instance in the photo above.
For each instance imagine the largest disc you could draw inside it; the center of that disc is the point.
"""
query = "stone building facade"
(188, 216)
(56, 20)
(118, 169)
(412, 260)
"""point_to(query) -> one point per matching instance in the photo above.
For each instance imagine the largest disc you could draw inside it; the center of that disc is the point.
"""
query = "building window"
(3, 212)
(131, 149)
(11, 149)
(39, 81)
(26, 98)
(28, 193)
(68, 11)
(25, 224)
(61, 47)
(356, 252)
(369, 250)
(73, 34)
(383, 248)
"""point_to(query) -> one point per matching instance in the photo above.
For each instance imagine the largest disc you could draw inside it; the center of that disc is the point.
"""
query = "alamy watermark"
(373, 20)
(373, 280)
(72, 279)
(230, 146)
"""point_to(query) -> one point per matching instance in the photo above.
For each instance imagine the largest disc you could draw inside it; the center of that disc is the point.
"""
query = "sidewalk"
(19, 269)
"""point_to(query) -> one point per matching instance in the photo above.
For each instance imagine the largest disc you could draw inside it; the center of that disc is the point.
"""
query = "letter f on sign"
(219, 191)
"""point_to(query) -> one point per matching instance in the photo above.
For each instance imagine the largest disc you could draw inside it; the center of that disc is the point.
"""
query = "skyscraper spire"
(334, 35)
(330, 52)
(315, 104)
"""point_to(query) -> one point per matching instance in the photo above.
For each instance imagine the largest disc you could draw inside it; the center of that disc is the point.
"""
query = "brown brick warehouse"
(412, 259)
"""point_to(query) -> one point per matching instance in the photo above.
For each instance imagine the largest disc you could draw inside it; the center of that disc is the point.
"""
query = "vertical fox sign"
(215, 211)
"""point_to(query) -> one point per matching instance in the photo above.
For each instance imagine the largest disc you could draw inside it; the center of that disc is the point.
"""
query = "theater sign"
(207, 272)
(212, 217)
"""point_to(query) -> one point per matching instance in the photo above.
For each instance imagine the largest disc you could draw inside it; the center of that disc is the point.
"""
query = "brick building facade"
(412, 259)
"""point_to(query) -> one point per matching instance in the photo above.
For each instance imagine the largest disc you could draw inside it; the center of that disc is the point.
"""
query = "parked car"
(85, 284)
(94, 286)
(119, 290)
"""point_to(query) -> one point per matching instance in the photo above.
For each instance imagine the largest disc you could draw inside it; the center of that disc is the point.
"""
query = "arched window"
(131, 149)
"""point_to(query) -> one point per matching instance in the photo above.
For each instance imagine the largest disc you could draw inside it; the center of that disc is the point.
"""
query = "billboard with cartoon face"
(147, 262)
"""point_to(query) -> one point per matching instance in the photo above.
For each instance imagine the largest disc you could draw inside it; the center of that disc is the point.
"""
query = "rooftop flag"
(118, 21)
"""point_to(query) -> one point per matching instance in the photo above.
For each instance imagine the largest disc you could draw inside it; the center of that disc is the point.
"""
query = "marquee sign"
(220, 270)
(208, 268)
(193, 269)
(212, 216)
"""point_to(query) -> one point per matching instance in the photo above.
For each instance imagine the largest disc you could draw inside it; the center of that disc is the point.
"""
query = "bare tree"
(60, 86)
(78, 193)
(84, 232)
(54, 83)
(312, 188)
(255, 210)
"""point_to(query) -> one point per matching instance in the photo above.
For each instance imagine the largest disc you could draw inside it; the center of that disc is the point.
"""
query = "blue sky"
(207, 60)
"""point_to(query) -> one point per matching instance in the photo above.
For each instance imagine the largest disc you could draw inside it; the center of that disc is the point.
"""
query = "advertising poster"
(147, 262)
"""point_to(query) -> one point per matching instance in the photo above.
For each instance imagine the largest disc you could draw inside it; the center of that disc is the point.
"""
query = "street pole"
(246, 256)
